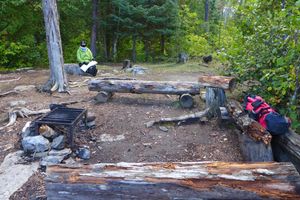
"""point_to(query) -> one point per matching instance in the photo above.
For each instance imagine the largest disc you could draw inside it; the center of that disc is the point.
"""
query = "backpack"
(262, 112)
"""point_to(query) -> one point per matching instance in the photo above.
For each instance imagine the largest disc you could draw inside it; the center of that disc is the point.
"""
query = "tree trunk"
(55, 53)
(146, 47)
(134, 48)
(94, 27)
(182, 180)
(105, 52)
(256, 142)
(206, 15)
(114, 48)
(286, 148)
(162, 45)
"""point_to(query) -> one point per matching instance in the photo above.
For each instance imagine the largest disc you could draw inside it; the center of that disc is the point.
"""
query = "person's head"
(83, 45)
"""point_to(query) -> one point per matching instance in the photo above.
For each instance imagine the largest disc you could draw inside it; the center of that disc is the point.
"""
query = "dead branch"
(16, 112)
(181, 118)
(10, 80)
(7, 93)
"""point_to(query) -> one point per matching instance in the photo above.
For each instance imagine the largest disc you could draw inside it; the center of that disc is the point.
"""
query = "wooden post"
(182, 180)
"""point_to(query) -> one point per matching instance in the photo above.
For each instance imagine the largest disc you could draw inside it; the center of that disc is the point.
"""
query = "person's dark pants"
(91, 70)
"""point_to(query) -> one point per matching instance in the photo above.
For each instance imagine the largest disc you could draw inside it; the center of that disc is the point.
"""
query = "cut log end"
(103, 97)
(186, 101)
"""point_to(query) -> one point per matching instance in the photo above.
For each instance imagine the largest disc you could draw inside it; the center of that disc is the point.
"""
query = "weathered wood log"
(141, 86)
(74, 69)
(215, 97)
(195, 180)
(224, 82)
(103, 97)
(287, 148)
(256, 142)
(181, 118)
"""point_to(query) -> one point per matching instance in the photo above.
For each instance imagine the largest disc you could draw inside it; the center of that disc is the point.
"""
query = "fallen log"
(140, 86)
(256, 141)
(287, 148)
(181, 180)
(181, 119)
(227, 83)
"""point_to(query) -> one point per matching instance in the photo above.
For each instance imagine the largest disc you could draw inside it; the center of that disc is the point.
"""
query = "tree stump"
(103, 97)
(126, 64)
(215, 97)
(186, 100)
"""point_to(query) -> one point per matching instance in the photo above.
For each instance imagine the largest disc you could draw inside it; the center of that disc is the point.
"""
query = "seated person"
(85, 59)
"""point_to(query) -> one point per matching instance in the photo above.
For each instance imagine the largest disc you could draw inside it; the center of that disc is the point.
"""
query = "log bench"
(179, 180)
(185, 90)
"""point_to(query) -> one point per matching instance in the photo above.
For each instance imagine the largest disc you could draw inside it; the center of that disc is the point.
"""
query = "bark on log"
(74, 69)
(218, 81)
(195, 180)
(256, 142)
(287, 148)
(215, 97)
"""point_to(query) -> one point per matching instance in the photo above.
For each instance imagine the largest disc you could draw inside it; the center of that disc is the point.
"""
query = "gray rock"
(35, 144)
(51, 160)
(163, 128)
(137, 70)
(83, 153)
(28, 130)
(39, 155)
(65, 152)
(58, 142)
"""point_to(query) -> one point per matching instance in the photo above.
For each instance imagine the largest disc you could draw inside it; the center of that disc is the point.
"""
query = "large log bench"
(184, 89)
(181, 180)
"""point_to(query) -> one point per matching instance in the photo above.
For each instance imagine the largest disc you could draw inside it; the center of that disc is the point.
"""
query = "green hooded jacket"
(84, 56)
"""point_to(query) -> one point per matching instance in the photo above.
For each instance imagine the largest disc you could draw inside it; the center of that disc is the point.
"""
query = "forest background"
(255, 41)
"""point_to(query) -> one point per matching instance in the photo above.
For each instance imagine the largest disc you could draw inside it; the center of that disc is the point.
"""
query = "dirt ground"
(120, 134)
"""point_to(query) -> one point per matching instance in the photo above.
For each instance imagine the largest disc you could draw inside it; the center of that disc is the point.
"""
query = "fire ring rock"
(35, 144)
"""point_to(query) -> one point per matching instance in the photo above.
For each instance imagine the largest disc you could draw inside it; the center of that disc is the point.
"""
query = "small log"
(181, 119)
(227, 83)
(186, 101)
(181, 180)
(256, 143)
(103, 97)
(287, 148)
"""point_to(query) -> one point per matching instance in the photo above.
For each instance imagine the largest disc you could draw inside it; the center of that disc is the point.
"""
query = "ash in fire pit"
(63, 116)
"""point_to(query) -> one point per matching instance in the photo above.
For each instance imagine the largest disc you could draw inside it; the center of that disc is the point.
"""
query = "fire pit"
(63, 116)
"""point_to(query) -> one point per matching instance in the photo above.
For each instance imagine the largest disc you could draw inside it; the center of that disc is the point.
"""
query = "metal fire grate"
(63, 116)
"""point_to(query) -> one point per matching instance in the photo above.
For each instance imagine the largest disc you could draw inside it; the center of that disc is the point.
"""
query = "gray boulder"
(58, 142)
(83, 153)
(65, 152)
(51, 160)
(35, 144)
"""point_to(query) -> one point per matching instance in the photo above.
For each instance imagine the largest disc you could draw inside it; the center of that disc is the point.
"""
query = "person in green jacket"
(84, 57)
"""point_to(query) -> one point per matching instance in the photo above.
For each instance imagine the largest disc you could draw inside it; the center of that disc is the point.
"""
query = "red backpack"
(262, 112)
